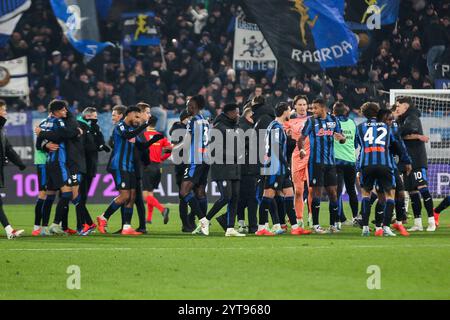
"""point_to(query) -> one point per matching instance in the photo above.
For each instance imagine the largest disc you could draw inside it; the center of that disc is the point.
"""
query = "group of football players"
(307, 148)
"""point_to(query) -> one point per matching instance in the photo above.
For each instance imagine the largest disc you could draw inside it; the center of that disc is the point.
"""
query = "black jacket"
(248, 169)
(409, 123)
(7, 153)
(262, 117)
(226, 171)
(93, 143)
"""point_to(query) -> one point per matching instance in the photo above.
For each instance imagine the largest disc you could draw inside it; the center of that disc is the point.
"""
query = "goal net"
(435, 108)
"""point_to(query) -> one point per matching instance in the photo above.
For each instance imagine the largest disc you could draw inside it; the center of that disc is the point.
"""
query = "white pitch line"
(232, 248)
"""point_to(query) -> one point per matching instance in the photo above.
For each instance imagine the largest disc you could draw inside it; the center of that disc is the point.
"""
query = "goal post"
(434, 106)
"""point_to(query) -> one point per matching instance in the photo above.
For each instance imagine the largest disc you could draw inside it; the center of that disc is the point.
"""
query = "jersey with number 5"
(375, 138)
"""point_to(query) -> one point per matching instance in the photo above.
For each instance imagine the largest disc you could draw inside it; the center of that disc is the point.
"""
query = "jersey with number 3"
(375, 138)
(198, 129)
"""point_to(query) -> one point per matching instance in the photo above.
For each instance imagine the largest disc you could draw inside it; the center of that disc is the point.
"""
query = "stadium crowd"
(197, 46)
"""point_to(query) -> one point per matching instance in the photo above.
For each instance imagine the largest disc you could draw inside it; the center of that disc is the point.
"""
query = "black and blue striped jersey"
(321, 139)
(275, 150)
(376, 140)
(198, 129)
(52, 124)
(124, 138)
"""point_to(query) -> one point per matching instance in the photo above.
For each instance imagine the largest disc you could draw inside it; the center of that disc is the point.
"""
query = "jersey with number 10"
(198, 129)
(375, 138)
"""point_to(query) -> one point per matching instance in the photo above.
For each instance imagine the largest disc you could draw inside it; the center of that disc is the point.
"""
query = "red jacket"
(156, 149)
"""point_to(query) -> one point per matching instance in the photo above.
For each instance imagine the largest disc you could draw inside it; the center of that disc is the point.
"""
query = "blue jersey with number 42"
(375, 138)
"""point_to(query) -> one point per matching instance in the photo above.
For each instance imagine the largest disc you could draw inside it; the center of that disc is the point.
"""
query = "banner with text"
(251, 50)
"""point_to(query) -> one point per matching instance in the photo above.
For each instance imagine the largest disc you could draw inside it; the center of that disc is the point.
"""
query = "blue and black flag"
(360, 14)
(305, 35)
(78, 20)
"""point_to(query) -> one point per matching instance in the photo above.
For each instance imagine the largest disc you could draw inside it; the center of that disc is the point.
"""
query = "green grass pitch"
(166, 264)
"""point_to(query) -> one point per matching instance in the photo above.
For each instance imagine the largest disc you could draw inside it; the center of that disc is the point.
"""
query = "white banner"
(14, 78)
(251, 50)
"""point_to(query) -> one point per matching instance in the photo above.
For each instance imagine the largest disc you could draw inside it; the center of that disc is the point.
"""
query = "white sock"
(126, 226)
(378, 228)
(366, 228)
(204, 220)
(418, 221)
(431, 221)
(36, 227)
(399, 222)
(230, 229)
(295, 226)
(261, 226)
(316, 226)
(241, 223)
(277, 226)
(9, 229)
(267, 225)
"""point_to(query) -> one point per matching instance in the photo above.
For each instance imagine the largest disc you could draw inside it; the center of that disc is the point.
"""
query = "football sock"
(427, 201)
(62, 208)
(113, 207)
(183, 208)
(365, 207)
(38, 211)
(203, 203)
(47, 208)
(315, 207)
(400, 210)
(3, 218)
(155, 203)
(416, 204)
(289, 207)
(128, 214)
(79, 212)
(389, 208)
(279, 200)
(149, 212)
(263, 210)
(193, 203)
(379, 213)
(373, 198)
(333, 209)
(443, 205)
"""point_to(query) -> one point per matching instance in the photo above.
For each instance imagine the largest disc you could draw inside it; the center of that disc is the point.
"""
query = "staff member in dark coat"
(249, 172)
(263, 115)
(228, 173)
(416, 183)
(93, 143)
(7, 153)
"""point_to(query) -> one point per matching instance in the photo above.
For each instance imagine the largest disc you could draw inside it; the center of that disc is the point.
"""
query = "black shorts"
(179, 173)
(74, 180)
(322, 175)
(197, 174)
(151, 177)
(57, 176)
(381, 176)
(278, 182)
(399, 185)
(417, 178)
(42, 177)
(124, 180)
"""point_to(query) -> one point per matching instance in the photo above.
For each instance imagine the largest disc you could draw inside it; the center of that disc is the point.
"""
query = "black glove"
(22, 167)
(156, 138)
(105, 148)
